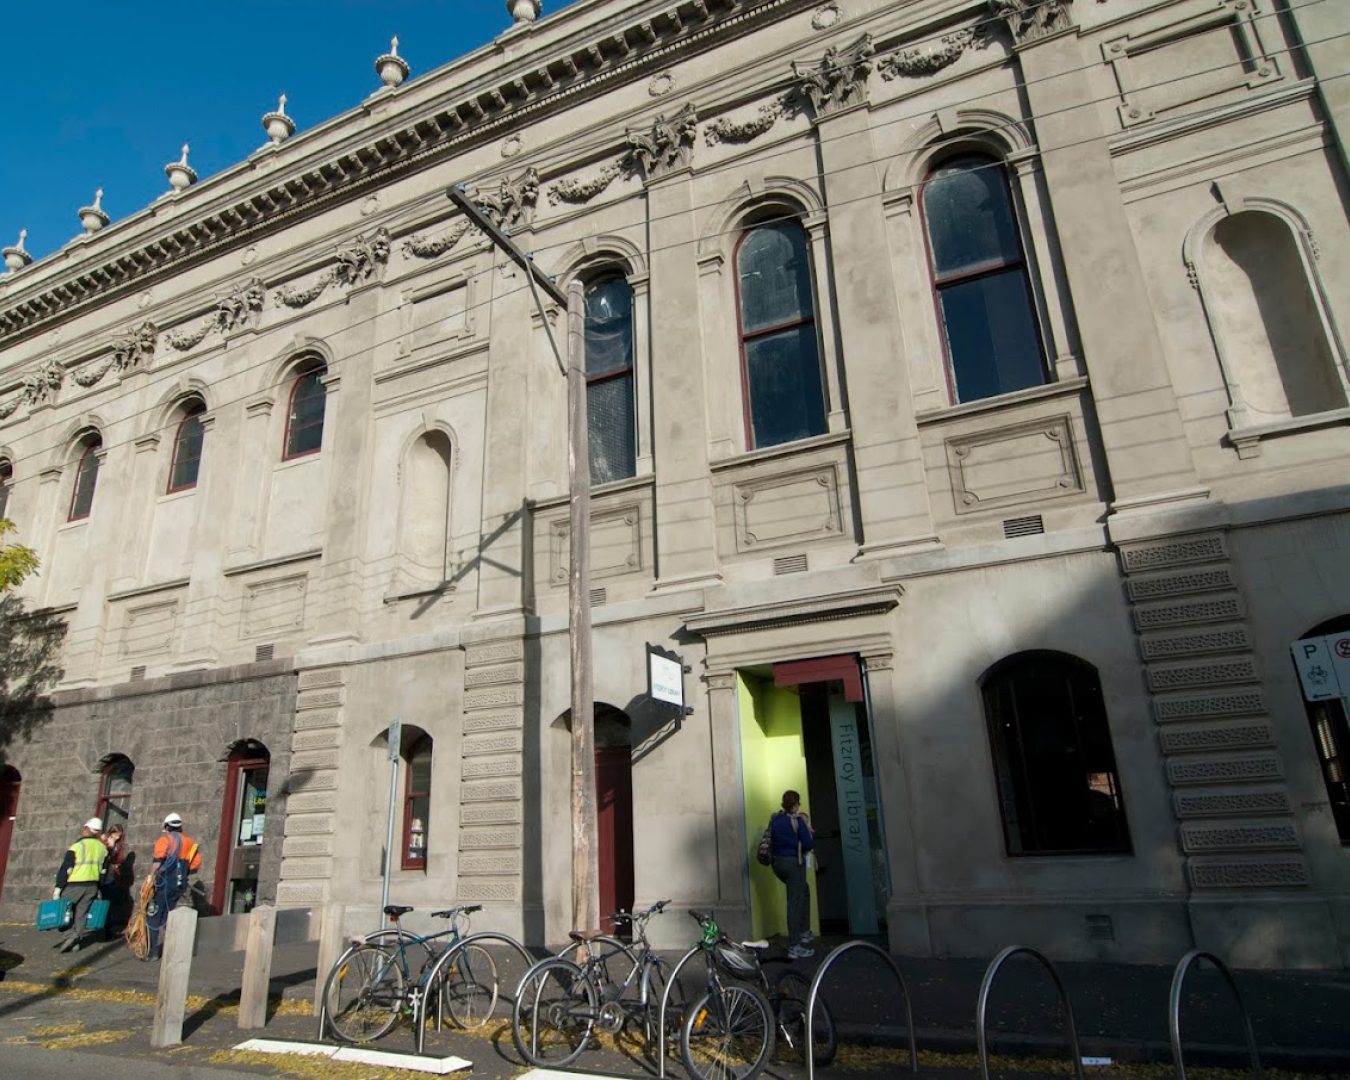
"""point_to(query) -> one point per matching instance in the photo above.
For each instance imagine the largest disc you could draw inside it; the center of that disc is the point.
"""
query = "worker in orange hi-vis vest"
(176, 856)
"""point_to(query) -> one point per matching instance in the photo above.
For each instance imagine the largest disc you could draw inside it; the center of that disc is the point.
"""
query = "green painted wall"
(772, 760)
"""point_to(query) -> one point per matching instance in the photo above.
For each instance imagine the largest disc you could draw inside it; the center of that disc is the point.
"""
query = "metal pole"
(395, 729)
(585, 853)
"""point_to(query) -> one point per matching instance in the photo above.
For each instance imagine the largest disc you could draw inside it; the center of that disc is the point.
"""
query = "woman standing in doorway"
(792, 837)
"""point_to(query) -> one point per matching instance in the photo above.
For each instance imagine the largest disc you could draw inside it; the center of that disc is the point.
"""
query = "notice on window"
(258, 827)
(246, 831)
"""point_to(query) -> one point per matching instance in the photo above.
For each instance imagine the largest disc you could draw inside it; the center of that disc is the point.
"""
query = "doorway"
(614, 814)
(9, 809)
(242, 823)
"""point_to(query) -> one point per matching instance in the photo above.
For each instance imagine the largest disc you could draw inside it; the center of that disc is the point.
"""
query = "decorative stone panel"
(502, 721)
(318, 739)
(319, 699)
(310, 802)
(616, 544)
(490, 890)
(1180, 582)
(787, 508)
(490, 838)
(1213, 737)
(1253, 874)
(504, 863)
(473, 768)
(1189, 804)
(493, 676)
(309, 824)
(1023, 463)
(1175, 552)
(308, 721)
(1215, 609)
(1237, 703)
(1196, 642)
(301, 845)
(292, 869)
(1241, 669)
(489, 814)
(505, 742)
(1274, 835)
(1266, 767)
(494, 697)
(493, 652)
(319, 678)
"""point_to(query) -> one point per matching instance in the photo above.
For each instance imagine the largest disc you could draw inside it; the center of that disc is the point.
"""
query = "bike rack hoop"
(982, 1006)
(434, 973)
(661, 1019)
(807, 1039)
(1184, 966)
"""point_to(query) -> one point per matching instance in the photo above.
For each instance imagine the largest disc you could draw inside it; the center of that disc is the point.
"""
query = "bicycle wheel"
(611, 966)
(363, 994)
(654, 979)
(554, 1011)
(728, 1035)
(469, 986)
(792, 990)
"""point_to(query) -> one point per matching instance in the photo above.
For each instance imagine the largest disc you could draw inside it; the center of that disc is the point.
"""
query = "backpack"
(765, 853)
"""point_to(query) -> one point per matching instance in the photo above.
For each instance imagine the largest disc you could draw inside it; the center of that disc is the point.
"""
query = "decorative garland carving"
(582, 191)
(1031, 20)
(357, 261)
(183, 340)
(915, 63)
(428, 247)
(667, 145)
(294, 297)
(839, 80)
(91, 373)
(727, 130)
(514, 201)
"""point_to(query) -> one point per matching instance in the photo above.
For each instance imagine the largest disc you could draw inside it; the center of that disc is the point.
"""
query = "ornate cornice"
(851, 604)
(577, 69)
(667, 145)
(1031, 20)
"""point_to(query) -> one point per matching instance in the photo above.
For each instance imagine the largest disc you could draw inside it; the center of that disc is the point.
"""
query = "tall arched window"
(304, 416)
(114, 792)
(1053, 760)
(980, 279)
(6, 478)
(610, 415)
(187, 449)
(86, 478)
(780, 354)
(417, 804)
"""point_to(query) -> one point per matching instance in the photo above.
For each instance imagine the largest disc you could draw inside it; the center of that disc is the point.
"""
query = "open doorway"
(242, 821)
(804, 725)
(614, 813)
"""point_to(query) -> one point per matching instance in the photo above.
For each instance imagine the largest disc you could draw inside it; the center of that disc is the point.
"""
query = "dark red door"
(614, 822)
(9, 806)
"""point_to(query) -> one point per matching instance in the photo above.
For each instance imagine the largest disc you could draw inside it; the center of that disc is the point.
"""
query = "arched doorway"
(9, 808)
(243, 817)
(614, 812)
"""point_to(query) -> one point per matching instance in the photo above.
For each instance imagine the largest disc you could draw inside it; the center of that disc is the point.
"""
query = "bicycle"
(372, 983)
(730, 1033)
(561, 1003)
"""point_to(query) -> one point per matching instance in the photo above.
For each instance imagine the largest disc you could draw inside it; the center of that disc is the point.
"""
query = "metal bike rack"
(661, 1019)
(982, 1006)
(1184, 965)
(447, 956)
(815, 990)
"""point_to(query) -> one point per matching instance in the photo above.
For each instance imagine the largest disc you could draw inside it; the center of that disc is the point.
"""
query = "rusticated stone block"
(1202, 706)
(323, 739)
(494, 697)
(494, 676)
(1215, 673)
(1174, 552)
(471, 839)
(307, 802)
(503, 863)
(320, 677)
(505, 743)
(490, 814)
(498, 791)
(1187, 612)
(494, 652)
(301, 893)
(1274, 835)
(475, 768)
(309, 824)
(293, 869)
(307, 721)
(319, 699)
(1215, 639)
(488, 889)
(1180, 582)
(1228, 771)
(1217, 737)
(1191, 805)
(293, 847)
(1287, 872)
(495, 721)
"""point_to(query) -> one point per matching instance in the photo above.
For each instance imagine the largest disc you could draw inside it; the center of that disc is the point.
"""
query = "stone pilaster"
(733, 912)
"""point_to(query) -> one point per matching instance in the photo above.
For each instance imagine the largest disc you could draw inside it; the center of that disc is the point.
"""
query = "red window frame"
(193, 413)
(936, 286)
(239, 763)
(6, 477)
(318, 371)
(106, 798)
(91, 448)
(408, 862)
(742, 337)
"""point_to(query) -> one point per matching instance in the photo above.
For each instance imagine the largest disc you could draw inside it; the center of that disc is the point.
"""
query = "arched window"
(1268, 319)
(86, 477)
(980, 280)
(610, 414)
(1056, 771)
(780, 355)
(1331, 736)
(6, 478)
(304, 417)
(187, 449)
(417, 804)
(114, 792)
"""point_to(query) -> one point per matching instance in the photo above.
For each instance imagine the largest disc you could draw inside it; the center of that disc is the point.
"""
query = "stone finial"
(278, 125)
(524, 11)
(392, 68)
(16, 258)
(181, 175)
(92, 218)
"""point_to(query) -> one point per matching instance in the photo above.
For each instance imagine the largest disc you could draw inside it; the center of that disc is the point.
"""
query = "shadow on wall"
(30, 645)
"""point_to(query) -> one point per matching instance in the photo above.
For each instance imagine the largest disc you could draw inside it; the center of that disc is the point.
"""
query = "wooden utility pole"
(585, 852)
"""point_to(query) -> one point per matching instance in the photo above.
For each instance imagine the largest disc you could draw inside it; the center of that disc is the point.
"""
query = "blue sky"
(105, 94)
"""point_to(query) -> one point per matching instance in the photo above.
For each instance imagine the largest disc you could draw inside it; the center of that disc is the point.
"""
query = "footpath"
(1301, 1019)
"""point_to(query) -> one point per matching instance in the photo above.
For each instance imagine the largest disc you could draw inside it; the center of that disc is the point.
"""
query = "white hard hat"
(173, 821)
(94, 824)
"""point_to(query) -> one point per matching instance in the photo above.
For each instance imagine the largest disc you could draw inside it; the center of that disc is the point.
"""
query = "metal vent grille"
(789, 564)
(598, 596)
(1023, 526)
(138, 673)
(1100, 928)
(262, 652)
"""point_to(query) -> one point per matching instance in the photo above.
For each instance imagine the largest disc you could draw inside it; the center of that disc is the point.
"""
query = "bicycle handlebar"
(463, 909)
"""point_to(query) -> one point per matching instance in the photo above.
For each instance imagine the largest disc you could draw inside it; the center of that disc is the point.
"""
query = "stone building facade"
(968, 411)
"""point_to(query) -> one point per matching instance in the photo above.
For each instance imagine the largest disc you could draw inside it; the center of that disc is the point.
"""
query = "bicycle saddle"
(395, 910)
(585, 935)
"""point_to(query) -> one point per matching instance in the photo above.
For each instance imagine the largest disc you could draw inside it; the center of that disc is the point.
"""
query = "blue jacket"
(785, 838)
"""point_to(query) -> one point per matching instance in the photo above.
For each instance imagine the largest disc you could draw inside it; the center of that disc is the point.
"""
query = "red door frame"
(237, 764)
(614, 826)
(9, 807)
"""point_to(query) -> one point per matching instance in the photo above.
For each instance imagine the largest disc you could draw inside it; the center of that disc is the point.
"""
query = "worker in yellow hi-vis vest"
(77, 880)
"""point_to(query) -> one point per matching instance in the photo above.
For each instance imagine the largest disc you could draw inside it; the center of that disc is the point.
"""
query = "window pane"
(187, 454)
(252, 806)
(85, 480)
(969, 216)
(775, 277)
(783, 372)
(6, 475)
(610, 429)
(304, 431)
(609, 326)
(415, 850)
(991, 335)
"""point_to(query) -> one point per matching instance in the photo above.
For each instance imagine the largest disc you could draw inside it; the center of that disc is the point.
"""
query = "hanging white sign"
(665, 676)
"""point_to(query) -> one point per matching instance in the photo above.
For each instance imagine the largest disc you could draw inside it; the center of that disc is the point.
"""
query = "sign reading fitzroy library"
(1323, 666)
(665, 676)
